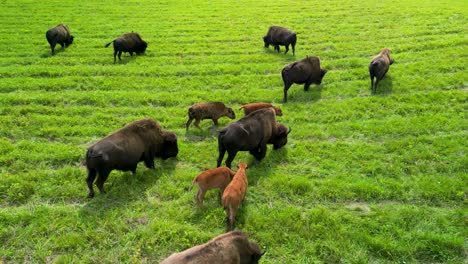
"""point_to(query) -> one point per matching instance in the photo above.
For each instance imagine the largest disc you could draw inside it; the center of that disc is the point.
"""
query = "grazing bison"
(141, 140)
(129, 42)
(232, 247)
(378, 67)
(277, 36)
(305, 71)
(234, 194)
(249, 108)
(211, 179)
(59, 35)
(251, 133)
(211, 110)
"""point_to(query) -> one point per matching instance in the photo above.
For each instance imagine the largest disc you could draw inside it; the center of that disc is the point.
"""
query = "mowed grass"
(364, 178)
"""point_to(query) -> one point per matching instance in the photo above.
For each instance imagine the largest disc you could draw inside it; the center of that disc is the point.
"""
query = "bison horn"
(289, 131)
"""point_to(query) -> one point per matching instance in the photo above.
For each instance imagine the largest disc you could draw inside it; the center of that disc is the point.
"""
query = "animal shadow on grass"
(314, 93)
(125, 59)
(197, 135)
(385, 86)
(125, 188)
(49, 54)
(263, 168)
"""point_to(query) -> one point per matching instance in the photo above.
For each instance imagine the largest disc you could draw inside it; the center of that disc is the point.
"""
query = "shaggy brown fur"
(232, 247)
(378, 67)
(211, 110)
(249, 108)
(234, 194)
(211, 179)
(141, 140)
(59, 35)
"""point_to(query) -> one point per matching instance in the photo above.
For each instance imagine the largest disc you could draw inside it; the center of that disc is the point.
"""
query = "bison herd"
(144, 140)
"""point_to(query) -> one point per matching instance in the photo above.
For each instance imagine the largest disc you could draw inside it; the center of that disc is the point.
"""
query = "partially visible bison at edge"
(277, 36)
(305, 71)
(231, 247)
(378, 67)
(59, 35)
(141, 140)
(251, 133)
(129, 42)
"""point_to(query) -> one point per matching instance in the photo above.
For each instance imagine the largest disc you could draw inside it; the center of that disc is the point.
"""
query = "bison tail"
(107, 45)
(193, 183)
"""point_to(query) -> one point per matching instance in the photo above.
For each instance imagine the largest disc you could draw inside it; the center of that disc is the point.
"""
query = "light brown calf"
(249, 108)
(235, 193)
(211, 179)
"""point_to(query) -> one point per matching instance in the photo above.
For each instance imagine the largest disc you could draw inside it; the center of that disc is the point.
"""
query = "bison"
(277, 36)
(59, 35)
(211, 179)
(211, 110)
(129, 42)
(251, 133)
(234, 194)
(141, 140)
(231, 247)
(378, 67)
(305, 71)
(249, 108)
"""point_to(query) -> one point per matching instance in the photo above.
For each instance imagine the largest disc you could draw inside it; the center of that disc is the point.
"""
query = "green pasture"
(363, 179)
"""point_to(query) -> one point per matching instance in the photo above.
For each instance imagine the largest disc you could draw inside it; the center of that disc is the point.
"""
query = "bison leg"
(262, 152)
(293, 47)
(91, 176)
(287, 48)
(102, 177)
(120, 53)
(285, 91)
(215, 121)
(277, 48)
(306, 86)
(52, 47)
(372, 83)
(189, 121)
(377, 80)
(115, 54)
(222, 151)
(232, 216)
(200, 196)
(131, 53)
(148, 160)
(230, 158)
(197, 123)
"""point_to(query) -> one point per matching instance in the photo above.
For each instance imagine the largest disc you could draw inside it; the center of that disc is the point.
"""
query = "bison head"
(69, 41)
(265, 40)
(141, 48)
(169, 148)
(231, 113)
(322, 73)
(280, 138)
(256, 253)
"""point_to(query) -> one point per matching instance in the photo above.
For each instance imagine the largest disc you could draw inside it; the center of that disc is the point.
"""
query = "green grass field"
(363, 179)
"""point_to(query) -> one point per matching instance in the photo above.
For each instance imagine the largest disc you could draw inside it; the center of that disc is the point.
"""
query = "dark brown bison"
(277, 36)
(210, 110)
(232, 247)
(378, 67)
(129, 42)
(59, 35)
(305, 71)
(251, 133)
(141, 140)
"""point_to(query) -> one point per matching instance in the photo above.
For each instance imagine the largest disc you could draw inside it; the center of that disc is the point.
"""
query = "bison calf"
(211, 110)
(234, 194)
(249, 108)
(59, 35)
(211, 179)
(277, 36)
(378, 67)
(305, 71)
(231, 247)
(141, 140)
(129, 42)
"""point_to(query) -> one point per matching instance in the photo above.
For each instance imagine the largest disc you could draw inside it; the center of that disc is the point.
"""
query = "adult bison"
(231, 247)
(251, 133)
(378, 67)
(141, 140)
(277, 36)
(305, 71)
(129, 42)
(59, 35)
